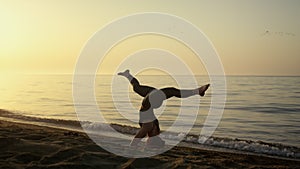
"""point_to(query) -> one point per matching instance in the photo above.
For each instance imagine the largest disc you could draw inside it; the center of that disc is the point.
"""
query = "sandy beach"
(31, 146)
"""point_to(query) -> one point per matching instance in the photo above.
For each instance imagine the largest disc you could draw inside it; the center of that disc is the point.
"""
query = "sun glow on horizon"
(252, 38)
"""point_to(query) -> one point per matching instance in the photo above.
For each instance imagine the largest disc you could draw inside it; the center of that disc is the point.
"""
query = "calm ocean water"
(257, 108)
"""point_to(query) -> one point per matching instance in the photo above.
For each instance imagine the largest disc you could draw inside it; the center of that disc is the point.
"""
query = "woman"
(153, 98)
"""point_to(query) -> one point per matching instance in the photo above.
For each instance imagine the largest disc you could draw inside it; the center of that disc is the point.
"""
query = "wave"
(16, 116)
(261, 147)
(275, 149)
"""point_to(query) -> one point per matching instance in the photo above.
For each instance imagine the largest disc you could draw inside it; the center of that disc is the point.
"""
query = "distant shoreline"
(99, 74)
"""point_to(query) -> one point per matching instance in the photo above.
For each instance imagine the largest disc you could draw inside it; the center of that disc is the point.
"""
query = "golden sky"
(257, 37)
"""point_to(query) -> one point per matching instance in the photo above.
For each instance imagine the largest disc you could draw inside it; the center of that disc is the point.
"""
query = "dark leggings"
(169, 91)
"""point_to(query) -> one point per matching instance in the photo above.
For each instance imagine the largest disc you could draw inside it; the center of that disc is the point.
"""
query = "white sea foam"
(253, 146)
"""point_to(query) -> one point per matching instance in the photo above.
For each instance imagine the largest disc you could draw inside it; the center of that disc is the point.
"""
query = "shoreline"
(214, 143)
(32, 146)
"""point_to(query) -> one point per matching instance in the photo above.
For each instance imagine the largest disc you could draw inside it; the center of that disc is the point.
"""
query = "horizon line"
(108, 74)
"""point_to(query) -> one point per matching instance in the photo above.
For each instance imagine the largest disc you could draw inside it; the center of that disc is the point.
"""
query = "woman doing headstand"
(153, 98)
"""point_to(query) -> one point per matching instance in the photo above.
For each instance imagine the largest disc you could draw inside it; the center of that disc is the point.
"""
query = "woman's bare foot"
(125, 73)
(203, 89)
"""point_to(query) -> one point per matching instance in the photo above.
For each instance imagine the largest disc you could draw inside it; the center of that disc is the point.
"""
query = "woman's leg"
(139, 89)
(156, 97)
(171, 91)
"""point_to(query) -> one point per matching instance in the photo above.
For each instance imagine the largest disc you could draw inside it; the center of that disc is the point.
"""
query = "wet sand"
(31, 146)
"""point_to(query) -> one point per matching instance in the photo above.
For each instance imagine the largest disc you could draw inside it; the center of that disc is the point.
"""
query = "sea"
(261, 113)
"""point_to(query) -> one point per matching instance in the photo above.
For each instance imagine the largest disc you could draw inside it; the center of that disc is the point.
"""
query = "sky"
(255, 37)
